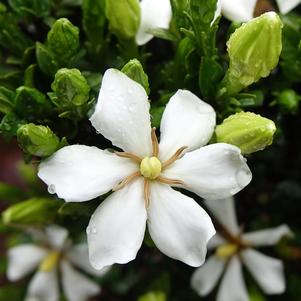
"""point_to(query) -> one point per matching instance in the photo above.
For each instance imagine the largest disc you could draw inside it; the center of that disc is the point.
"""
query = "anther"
(133, 157)
(155, 143)
(171, 182)
(127, 180)
(174, 157)
(146, 192)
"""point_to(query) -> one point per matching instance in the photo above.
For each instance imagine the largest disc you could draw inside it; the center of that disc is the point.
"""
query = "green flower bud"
(71, 93)
(124, 17)
(254, 50)
(63, 40)
(288, 101)
(33, 211)
(37, 140)
(248, 131)
(153, 296)
(134, 70)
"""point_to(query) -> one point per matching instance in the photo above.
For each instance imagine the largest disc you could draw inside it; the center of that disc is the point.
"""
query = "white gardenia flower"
(236, 10)
(286, 6)
(56, 253)
(232, 251)
(142, 175)
(243, 10)
(154, 14)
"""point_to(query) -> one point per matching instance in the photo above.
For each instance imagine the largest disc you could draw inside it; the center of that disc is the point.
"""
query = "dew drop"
(93, 230)
(88, 230)
(243, 177)
(132, 107)
(51, 189)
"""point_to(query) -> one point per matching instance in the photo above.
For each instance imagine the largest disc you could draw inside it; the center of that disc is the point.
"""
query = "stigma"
(150, 168)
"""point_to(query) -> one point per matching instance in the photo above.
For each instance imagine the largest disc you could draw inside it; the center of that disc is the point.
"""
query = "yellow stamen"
(150, 168)
(129, 156)
(174, 157)
(127, 180)
(50, 261)
(226, 251)
(155, 143)
(146, 192)
(164, 180)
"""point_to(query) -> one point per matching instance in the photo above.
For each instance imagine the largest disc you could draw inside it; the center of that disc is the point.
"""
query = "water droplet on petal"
(132, 107)
(93, 230)
(88, 230)
(243, 177)
(51, 189)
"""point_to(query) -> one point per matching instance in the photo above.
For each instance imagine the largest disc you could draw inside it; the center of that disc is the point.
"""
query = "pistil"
(150, 168)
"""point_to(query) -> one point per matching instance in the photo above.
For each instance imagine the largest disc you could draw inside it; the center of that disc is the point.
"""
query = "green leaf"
(11, 37)
(210, 74)
(46, 60)
(9, 193)
(38, 8)
(30, 104)
(7, 99)
(10, 124)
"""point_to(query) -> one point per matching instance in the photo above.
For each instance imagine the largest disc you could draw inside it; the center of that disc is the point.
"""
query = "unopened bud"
(71, 93)
(288, 101)
(63, 39)
(33, 211)
(248, 131)
(134, 70)
(254, 50)
(37, 140)
(124, 17)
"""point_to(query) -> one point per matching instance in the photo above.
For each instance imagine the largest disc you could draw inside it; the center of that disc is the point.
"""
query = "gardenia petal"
(213, 172)
(267, 271)
(286, 6)
(238, 10)
(179, 227)
(122, 113)
(215, 242)
(154, 14)
(224, 211)
(76, 286)
(80, 173)
(267, 237)
(56, 236)
(22, 260)
(44, 286)
(232, 286)
(205, 278)
(79, 256)
(116, 229)
(186, 121)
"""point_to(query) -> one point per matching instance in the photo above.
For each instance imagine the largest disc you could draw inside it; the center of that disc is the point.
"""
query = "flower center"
(50, 261)
(226, 251)
(150, 168)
